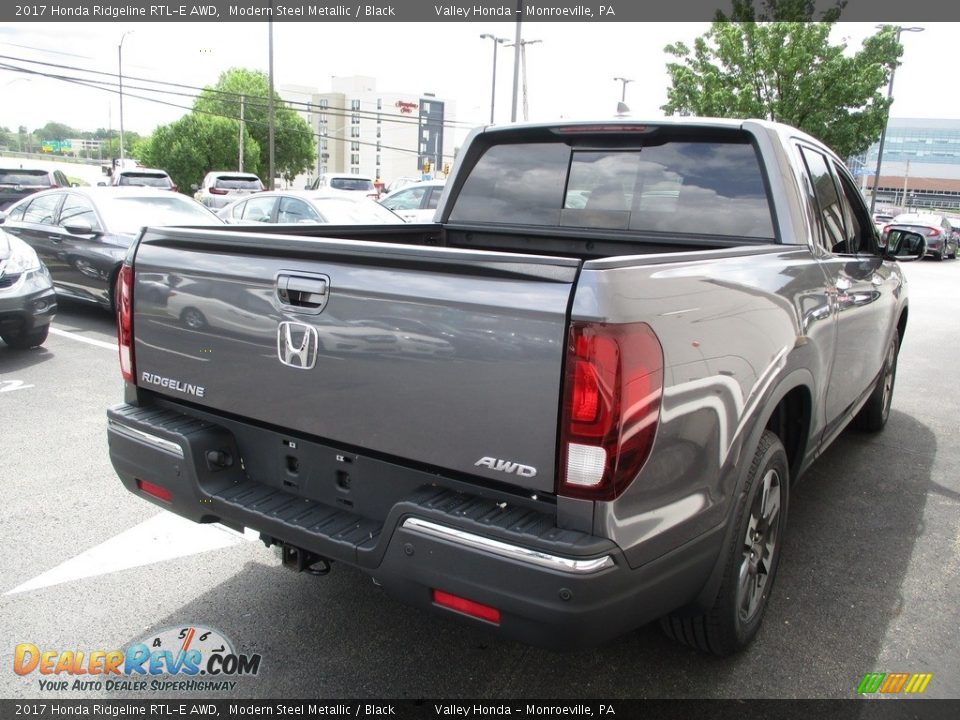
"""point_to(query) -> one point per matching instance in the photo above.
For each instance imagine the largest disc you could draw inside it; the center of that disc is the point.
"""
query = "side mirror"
(904, 246)
(79, 226)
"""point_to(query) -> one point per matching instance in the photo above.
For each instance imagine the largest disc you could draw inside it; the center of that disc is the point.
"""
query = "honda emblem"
(297, 345)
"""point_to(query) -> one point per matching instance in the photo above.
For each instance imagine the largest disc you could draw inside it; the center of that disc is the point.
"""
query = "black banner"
(448, 11)
(912, 709)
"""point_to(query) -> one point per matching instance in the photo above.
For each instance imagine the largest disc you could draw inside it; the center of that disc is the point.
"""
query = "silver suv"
(220, 188)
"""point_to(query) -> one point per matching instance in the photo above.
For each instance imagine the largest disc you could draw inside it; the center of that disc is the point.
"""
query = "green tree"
(196, 144)
(7, 138)
(787, 72)
(294, 144)
(56, 131)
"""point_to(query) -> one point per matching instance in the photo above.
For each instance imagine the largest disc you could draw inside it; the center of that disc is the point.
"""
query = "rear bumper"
(552, 587)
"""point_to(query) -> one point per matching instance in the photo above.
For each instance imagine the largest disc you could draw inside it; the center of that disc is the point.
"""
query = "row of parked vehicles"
(53, 232)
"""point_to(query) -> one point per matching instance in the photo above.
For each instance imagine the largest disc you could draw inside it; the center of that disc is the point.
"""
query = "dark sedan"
(936, 230)
(27, 299)
(82, 234)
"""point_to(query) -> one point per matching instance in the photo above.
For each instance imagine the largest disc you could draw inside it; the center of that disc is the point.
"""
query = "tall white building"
(363, 131)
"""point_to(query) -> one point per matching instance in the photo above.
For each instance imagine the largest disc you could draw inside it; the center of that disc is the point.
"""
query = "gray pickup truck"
(573, 404)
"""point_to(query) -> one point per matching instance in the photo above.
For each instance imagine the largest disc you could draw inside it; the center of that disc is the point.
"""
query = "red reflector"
(158, 492)
(467, 607)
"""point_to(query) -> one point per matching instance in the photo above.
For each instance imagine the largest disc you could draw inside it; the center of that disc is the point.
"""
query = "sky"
(570, 72)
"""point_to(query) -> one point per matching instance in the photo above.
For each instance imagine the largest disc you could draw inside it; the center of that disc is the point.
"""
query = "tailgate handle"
(303, 293)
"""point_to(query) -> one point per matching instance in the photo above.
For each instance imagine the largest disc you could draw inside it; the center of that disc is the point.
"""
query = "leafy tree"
(7, 138)
(196, 144)
(55, 131)
(294, 144)
(788, 72)
(781, 11)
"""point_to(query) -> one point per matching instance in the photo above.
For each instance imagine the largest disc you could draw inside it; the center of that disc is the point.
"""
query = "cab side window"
(861, 234)
(829, 208)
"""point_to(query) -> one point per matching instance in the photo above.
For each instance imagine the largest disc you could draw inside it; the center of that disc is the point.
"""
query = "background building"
(921, 164)
(363, 131)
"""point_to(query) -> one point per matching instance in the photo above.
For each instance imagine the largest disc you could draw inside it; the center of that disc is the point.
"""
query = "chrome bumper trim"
(513, 552)
(135, 434)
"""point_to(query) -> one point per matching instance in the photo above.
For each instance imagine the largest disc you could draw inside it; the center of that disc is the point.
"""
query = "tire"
(751, 561)
(873, 416)
(25, 341)
(193, 318)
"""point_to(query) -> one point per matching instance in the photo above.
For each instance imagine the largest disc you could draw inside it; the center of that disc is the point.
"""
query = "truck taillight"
(124, 302)
(217, 191)
(611, 407)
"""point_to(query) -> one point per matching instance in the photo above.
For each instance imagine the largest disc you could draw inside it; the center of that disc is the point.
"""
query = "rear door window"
(710, 187)
(43, 210)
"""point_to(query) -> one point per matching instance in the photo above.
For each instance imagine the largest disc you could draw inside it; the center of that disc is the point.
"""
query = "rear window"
(27, 178)
(145, 180)
(711, 187)
(351, 184)
(238, 183)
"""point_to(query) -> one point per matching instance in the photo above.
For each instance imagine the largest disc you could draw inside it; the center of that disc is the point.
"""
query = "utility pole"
(120, 78)
(493, 85)
(272, 120)
(516, 63)
(242, 98)
(883, 133)
(523, 64)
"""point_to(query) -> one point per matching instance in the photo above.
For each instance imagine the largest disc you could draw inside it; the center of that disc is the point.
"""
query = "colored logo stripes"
(892, 683)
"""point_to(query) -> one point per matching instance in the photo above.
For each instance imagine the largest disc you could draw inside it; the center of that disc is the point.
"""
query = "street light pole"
(120, 77)
(883, 132)
(623, 93)
(493, 85)
(523, 63)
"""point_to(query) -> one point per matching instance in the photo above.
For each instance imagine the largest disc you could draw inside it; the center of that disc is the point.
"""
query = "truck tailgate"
(447, 358)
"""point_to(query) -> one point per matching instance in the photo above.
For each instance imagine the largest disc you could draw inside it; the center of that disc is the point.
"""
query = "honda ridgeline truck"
(573, 404)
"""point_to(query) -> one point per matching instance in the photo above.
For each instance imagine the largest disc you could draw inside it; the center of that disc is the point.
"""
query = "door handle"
(303, 292)
(55, 238)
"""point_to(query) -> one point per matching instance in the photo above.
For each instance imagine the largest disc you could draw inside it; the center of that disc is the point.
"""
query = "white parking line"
(82, 338)
(163, 537)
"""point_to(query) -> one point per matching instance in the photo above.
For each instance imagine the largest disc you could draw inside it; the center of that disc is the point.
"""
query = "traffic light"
(426, 167)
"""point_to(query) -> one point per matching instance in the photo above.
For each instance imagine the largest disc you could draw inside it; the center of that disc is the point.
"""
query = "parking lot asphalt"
(868, 581)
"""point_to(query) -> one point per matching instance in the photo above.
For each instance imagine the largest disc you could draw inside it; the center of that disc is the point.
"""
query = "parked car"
(143, 177)
(296, 206)
(17, 183)
(415, 203)
(936, 229)
(82, 234)
(955, 227)
(401, 182)
(27, 298)
(335, 184)
(221, 188)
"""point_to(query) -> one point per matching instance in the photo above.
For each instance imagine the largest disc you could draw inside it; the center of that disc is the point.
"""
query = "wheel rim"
(759, 547)
(193, 319)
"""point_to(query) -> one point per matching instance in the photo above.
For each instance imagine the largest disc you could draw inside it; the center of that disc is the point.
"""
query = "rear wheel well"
(902, 324)
(790, 422)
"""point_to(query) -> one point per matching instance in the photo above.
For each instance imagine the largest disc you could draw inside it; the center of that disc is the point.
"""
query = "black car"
(82, 234)
(27, 299)
(18, 182)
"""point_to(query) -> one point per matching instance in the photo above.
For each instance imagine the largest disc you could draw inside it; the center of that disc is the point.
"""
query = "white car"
(220, 188)
(303, 206)
(143, 177)
(344, 184)
(415, 203)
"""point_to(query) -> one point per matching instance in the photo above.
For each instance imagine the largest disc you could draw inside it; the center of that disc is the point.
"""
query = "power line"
(106, 86)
